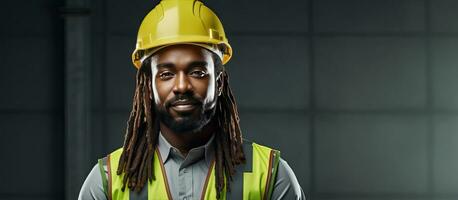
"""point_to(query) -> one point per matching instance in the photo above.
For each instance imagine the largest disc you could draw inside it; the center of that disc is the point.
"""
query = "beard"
(186, 124)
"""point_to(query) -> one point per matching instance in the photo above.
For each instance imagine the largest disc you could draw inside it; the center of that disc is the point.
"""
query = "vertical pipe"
(77, 104)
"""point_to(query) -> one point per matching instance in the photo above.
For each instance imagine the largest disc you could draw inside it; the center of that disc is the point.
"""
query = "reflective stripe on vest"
(253, 180)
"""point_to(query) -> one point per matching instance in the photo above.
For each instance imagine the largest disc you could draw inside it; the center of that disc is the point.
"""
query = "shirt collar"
(165, 150)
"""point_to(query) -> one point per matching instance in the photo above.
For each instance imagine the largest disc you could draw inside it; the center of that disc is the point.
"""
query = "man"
(183, 139)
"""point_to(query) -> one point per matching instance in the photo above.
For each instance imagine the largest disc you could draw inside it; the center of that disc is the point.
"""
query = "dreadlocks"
(143, 129)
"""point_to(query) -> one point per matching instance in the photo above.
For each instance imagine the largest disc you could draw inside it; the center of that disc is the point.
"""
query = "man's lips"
(184, 106)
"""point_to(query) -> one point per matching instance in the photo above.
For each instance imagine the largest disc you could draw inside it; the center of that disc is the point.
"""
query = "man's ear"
(220, 83)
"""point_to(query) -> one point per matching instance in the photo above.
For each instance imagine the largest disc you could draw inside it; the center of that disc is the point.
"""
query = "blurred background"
(361, 96)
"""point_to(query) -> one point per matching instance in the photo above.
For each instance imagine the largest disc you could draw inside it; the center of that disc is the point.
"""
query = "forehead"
(182, 53)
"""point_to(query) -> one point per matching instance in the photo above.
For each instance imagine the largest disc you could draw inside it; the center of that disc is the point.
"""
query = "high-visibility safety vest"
(253, 180)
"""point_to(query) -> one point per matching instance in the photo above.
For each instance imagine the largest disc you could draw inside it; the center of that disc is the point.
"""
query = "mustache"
(182, 99)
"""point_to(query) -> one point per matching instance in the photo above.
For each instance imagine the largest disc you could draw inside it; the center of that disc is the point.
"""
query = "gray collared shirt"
(186, 175)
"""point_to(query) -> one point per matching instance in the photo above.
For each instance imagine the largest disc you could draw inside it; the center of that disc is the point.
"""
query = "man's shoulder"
(286, 184)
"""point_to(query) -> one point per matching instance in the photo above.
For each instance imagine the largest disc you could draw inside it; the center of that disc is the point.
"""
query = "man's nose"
(182, 84)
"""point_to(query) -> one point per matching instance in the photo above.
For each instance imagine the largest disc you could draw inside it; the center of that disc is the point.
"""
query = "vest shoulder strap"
(102, 164)
(256, 178)
(115, 182)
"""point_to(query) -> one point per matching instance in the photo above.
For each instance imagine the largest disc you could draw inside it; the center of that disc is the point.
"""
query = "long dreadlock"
(143, 129)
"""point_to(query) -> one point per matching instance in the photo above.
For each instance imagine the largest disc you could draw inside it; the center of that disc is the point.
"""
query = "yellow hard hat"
(180, 21)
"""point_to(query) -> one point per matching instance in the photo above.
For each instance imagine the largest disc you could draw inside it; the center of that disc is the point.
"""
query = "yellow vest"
(253, 180)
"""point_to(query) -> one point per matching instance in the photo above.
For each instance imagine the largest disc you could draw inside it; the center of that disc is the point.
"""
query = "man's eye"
(165, 75)
(199, 73)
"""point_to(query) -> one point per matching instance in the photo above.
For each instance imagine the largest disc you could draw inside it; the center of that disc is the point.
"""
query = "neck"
(186, 141)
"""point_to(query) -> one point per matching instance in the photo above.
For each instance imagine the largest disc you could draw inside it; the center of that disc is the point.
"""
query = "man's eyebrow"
(198, 64)
(165, 65)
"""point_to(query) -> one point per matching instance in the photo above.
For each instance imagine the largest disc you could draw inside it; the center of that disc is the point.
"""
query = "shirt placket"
(185, 183)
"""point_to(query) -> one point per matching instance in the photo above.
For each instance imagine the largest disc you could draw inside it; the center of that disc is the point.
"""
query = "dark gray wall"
(361, 96)
(31, 100)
